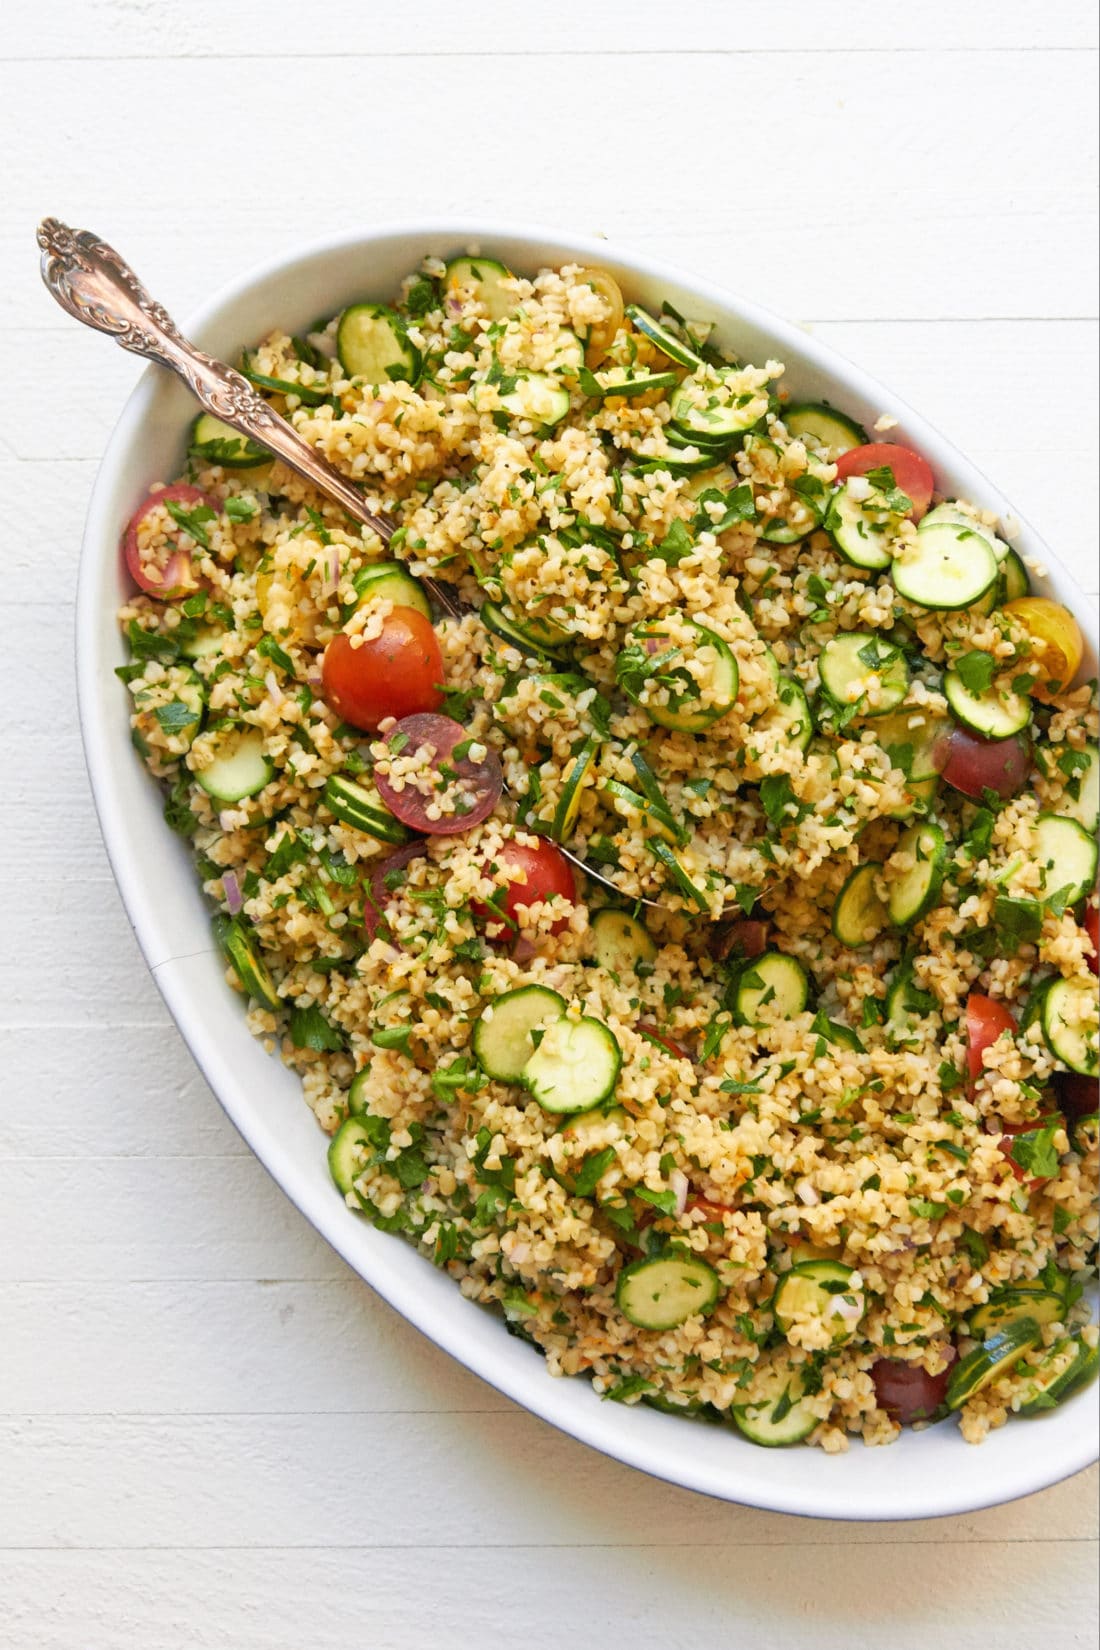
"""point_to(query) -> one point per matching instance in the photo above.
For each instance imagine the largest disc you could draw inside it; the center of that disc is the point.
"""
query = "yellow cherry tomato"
(602, 334)
(1057, 646)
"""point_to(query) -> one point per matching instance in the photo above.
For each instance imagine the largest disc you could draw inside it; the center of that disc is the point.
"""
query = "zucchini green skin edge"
(990, 1359)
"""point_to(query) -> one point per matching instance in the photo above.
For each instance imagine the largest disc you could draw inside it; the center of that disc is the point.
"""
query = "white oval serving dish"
(924, 1474)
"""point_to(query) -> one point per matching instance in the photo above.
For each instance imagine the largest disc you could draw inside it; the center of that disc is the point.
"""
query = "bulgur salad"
(785, 1116)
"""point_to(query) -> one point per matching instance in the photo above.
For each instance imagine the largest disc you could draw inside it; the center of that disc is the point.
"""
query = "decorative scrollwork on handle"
(97, 287)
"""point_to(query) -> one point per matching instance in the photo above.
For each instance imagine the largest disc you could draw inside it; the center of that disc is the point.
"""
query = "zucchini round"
(663, 1292)
(503, 1038)
(575, 1066)
(859, 916)
(991, 1359)
(913, 893)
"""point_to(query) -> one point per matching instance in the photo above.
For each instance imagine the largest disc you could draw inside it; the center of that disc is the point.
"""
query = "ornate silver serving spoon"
(97, 287)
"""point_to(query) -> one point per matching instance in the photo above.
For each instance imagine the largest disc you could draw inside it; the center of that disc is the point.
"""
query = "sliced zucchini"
(860, 528)
(665, 1291)
(1061, 1371)
(239, 767)
(903, 1014)
(349, 1151)
(677, 872)
(684, 710)
(388, 581)
(359, 1092)
(1015, 581)
(995, 714)
(789, 717)
(1066, 853)
(1008, 1306)
(910, 739)
(373, 344)
(780, 1419)
(991, 1359)
(575, 1066)
(1081, 799)
(485, 280)
(237, 942)
(617, 382)
(504, 1035)
(913, 893)
(919, 797)
(859, 916)
(651, 790)
(949, 565)
(821, 1290)
(362, 808)
(572, 791)
(535, 397)
(858, 663)
(622, 943)
(218, 443)
(770, 988)
(725, 414)
(203, 642)
(1084, 1133)
(308, 396)
(1069, 1021)
(519, 635)
(1084, 1371)
(667, 342)
(638, 810)
(823, 424)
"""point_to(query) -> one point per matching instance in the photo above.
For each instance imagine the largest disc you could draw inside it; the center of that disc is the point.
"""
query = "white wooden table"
(211, 1434)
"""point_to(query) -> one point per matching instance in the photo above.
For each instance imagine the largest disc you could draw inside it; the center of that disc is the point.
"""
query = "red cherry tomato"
(911, 472)
(668, 1043)
(163, 567)
(986, 1019)
(708, 1207)
(973, 765)
(906, 1391)
(1078, 1095)
(546, 873)
(744, 937)
(1092, 929)
(1009, 1130)
(396, 673)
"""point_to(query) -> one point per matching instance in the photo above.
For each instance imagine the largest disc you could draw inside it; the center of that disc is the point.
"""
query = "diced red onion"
(679, 1183)
(231, 888)
(315, 679)
(226, 820)
(274, 691)
(332, 569)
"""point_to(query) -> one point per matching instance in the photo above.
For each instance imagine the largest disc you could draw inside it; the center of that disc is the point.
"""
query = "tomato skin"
(744, 937)
(1008, 1131)
(396, 673)
(906, 1391)
(673, 1047)
(986, 1019)
(1056, 640)
(912, 473)
(177, 578)
(1078, 1096)
(547, 871)
(972, 765)
(1092, 929)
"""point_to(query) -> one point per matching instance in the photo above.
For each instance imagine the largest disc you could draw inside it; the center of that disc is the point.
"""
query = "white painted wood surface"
(211, 1434)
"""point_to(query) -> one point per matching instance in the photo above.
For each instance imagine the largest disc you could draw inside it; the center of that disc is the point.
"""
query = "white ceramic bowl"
(922, 1475)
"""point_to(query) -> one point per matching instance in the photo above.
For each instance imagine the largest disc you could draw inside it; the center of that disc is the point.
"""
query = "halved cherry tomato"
(986, 1019)
(1092, 929)
(396, 673)
(669, 1043)
(1057, 646)
(973, 765)
(601, 335)
(708, 1207)
(744, 937)
(546, 873)
(163, 568)
(994, 1125)
(912, 474)
(906, 1391)
(1078, 1095)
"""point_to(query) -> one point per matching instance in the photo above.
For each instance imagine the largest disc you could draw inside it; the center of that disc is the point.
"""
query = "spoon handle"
(91, 282)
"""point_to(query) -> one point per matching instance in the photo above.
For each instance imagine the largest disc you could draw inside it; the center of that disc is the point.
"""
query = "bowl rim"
(825, 1495)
